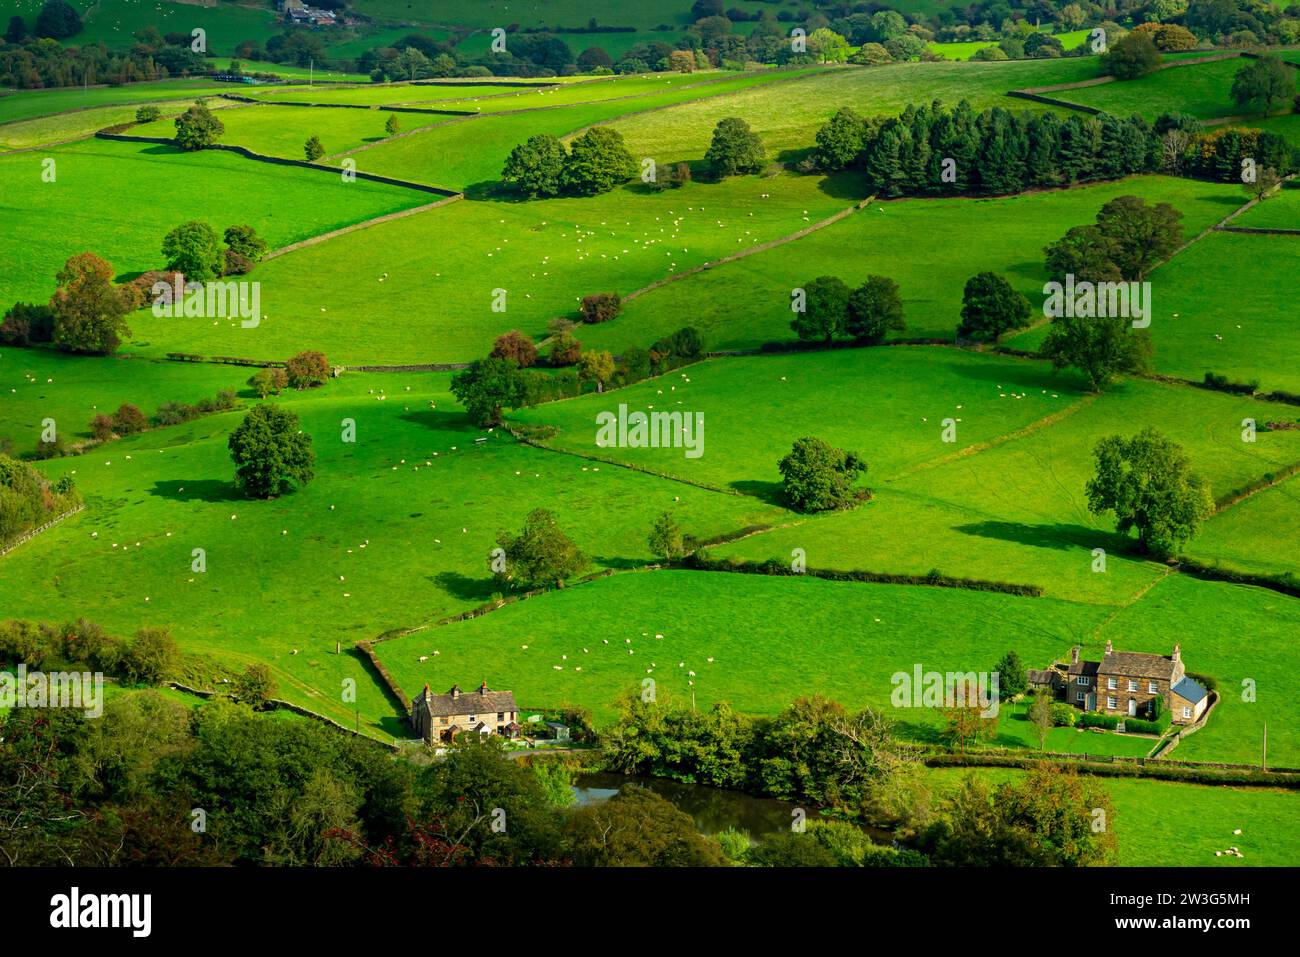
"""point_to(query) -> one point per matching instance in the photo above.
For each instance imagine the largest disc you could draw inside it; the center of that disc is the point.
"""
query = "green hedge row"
(773, 566)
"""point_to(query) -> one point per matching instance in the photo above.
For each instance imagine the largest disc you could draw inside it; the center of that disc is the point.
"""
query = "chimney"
(1178, 653)
(1109, 646)
(1074, 655)
(454, 692)
(426, 693)
(483, 688)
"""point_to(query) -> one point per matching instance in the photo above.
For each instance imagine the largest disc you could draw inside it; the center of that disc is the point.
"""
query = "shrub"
(269, 382)
(101, 427)
(313, 149)
(147, 114)
(565, 350)
(1095, 719)
(128, 419)
(516, 347)
(174, 413)
(601, 307)
(1064, 715)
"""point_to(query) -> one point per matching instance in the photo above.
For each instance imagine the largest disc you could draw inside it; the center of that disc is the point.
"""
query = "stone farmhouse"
(1127, 684)
(440, 717)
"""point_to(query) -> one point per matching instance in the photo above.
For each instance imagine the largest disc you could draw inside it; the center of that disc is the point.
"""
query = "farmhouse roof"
(1083, 667)
(1137, 665)
(1191, 690)
(457, 702)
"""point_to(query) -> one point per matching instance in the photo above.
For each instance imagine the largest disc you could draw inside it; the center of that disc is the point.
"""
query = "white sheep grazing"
(424, 657)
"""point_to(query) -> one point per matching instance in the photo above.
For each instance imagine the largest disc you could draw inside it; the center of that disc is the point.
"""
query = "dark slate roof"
(1193, 691)
(1133, 664)
(1044, 677)
(469, 702)
(1084, 667)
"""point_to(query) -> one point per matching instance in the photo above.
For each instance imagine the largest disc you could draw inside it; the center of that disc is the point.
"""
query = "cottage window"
(1187, 712)
(1132, 685)
(445, 720)
(1084, 681)
(473, 718)
(1153, 688)
(1080, 696)
(1112, 702)
(1112, 683)
(501, 715)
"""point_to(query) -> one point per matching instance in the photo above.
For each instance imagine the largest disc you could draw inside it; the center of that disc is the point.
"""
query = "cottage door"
(1132, 708)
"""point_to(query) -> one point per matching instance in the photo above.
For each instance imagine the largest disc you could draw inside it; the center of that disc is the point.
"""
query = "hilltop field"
(978, 454)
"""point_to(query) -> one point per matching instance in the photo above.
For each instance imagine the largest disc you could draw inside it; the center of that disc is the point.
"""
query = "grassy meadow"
(126, 226)
(393, 533)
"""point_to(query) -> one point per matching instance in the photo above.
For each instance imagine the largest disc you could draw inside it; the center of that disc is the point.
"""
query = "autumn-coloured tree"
(89, 311)
(516, 347)
(306, 369)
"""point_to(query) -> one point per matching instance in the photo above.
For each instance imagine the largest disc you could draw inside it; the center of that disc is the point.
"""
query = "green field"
(1202, 89)
(337, 547)
(275, 131)
(461, 154)
(392, 536)
(937, 505)
(1258, 534)
(439, 309)
(69, 127)
(746, 303)
(771, 640)
(788, 117)
(30, 104)
(1279, 211)
(1205, 819)
(1219, 307)
(126, 225)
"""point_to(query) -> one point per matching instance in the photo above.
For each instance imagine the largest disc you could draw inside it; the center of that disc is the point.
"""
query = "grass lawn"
(154, 189)
(1202, 90)
(1204, 817)
(936, 505)
(771, 640)
(284, 131)
(746, 303)
(65, 127)
(1232, 634)
(388, 94)
(892, 403)
(461, 154)
(788, 117)
(29, 104)
(435, 304)
(115, 22)
(1223, 306)
(1257, 534)
(341, 547)
(72, 390)
(1279, 211)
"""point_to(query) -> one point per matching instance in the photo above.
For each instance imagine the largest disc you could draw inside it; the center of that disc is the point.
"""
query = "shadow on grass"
(198, 490)
(622, 564)
(768, 492)
(1060, 536)
(1024, 375)
(444, 420)
(465, 588)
